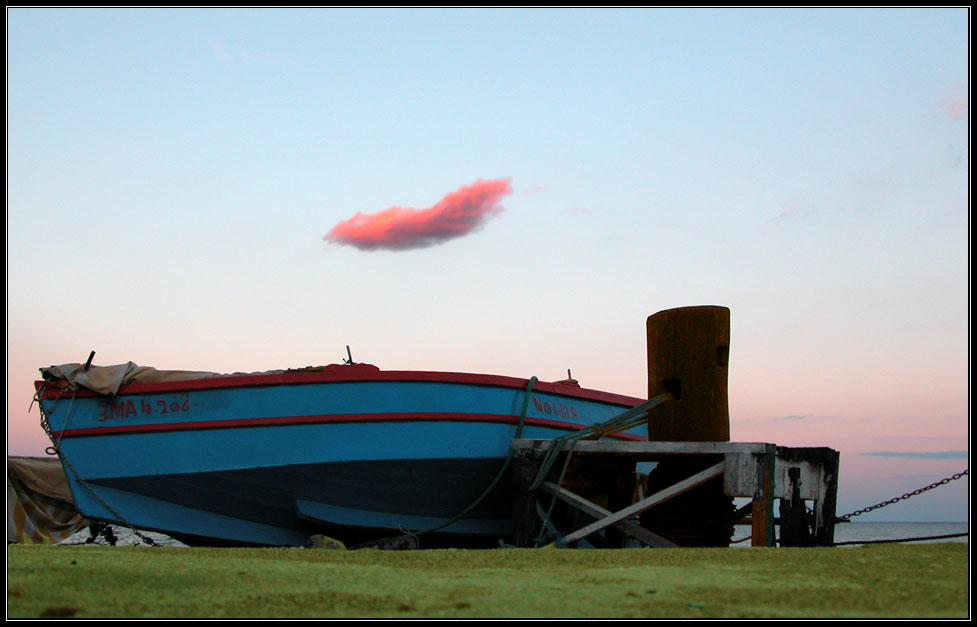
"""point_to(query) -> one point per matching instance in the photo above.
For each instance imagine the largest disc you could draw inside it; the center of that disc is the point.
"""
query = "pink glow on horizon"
(402, 228)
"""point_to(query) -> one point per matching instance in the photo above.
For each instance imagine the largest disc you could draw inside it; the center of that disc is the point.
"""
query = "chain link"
(55, 449)
(904, 496)
(51, 450)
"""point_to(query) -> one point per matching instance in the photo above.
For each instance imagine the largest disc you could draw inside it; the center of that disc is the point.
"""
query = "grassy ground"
(876, 581)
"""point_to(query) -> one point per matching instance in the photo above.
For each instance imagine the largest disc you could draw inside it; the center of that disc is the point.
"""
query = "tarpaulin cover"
(108, 379)
(39, 504)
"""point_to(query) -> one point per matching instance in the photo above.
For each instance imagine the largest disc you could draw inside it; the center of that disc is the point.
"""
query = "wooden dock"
(762, 472)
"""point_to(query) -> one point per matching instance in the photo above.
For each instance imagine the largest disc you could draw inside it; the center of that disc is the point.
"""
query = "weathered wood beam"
(653, 448)
(592, 509)
(763, 533)
(651, 501)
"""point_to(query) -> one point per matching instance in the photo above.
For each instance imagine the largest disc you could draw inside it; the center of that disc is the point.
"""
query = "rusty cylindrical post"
(688, 356)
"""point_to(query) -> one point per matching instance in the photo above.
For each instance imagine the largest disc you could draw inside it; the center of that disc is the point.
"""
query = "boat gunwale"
(352, 374)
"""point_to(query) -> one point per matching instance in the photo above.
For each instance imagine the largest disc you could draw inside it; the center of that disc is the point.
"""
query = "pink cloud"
(403, 228)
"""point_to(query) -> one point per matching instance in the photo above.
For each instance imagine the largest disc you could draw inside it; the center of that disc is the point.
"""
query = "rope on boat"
(633, 417)
(501, 473)
(626, 420)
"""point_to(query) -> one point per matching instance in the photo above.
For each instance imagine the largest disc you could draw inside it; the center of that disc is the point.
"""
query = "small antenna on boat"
(348, 362)
(569, 380)
(88, 364)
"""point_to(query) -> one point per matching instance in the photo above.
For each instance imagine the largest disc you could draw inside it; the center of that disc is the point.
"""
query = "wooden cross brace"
(619, 519)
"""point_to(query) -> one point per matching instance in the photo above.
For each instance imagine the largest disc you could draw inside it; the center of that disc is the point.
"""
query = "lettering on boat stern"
(126, 408)
(555, 408)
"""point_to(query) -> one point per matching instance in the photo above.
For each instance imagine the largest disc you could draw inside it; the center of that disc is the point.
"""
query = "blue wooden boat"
(349, 451)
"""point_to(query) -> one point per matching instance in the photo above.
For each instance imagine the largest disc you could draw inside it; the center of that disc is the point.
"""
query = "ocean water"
(868, 532)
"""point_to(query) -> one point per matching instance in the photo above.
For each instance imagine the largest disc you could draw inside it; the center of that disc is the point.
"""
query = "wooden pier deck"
(763, 472)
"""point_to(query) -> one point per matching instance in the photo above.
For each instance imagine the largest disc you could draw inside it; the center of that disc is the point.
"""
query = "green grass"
(876, 581)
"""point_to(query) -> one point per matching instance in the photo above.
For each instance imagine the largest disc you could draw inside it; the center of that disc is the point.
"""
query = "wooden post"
(688, 357)
(763, 516)
(524, 469)
(794, 529)
(822, 488)
(824, 524)
(762, 471)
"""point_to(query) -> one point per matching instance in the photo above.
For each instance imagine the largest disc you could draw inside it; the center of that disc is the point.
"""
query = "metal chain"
(904, 496)
(51, 450)
(55, 449)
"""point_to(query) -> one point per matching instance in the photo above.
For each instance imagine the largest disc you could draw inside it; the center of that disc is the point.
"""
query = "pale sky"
(172, 175)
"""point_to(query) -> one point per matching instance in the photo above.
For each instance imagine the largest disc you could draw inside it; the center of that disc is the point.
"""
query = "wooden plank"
(752, 469)
(794, 530)
(808, 480)
(743, 514)
(740, 476)
(651, 501)
(639, 447)
(763, 516)
(824, 528)
(592, 509)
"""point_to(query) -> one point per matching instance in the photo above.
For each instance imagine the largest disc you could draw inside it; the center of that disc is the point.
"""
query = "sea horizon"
(867, 532)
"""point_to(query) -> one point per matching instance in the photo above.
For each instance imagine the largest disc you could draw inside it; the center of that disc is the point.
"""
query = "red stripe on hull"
(328, 419)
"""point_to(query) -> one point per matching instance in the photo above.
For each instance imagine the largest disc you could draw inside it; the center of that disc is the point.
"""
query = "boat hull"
(349, 451)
